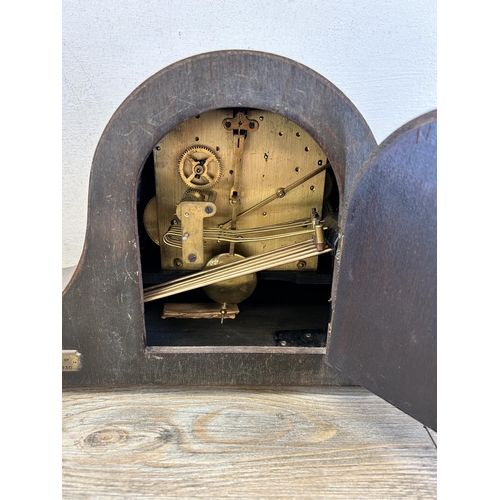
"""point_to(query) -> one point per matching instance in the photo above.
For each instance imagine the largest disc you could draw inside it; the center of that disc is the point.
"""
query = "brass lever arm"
(280, 193)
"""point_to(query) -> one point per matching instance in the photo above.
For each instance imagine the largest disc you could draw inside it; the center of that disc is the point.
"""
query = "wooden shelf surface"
(325, 442)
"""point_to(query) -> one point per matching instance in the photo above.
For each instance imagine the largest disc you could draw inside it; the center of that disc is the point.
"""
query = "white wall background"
(380, 53)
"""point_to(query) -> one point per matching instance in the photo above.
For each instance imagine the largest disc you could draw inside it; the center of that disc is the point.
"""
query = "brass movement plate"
(275, 155)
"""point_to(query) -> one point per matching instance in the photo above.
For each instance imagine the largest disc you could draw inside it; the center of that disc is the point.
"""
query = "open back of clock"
(243, 229)
(238, 211)
(210, 257)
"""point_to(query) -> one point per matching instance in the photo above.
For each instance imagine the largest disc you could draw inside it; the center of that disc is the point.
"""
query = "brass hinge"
(71, 361)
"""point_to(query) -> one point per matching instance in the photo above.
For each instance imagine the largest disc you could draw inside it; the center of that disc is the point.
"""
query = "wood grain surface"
(338, 442)
(384, 323)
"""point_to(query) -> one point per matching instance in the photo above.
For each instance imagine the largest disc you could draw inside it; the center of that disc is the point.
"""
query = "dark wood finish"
(103, 314)
(259, 328)
(315, 443)
(384, 321)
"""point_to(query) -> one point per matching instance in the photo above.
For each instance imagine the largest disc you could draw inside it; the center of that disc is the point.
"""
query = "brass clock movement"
(237, 192)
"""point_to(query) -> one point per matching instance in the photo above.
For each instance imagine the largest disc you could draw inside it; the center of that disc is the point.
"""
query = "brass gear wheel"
(199, 168)
(194, 195)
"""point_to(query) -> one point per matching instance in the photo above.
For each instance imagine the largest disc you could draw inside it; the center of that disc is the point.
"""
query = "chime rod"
(247, 268)
(233, 270)
(169, 290)
(296, 246)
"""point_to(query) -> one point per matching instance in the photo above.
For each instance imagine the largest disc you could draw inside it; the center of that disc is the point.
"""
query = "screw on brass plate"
(178, 263)
(301, 264)
(209, 210)
(192, 257)
(158, 148)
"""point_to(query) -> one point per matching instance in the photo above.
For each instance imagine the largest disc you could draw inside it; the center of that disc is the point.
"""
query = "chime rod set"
(271, 253)
(250, 265)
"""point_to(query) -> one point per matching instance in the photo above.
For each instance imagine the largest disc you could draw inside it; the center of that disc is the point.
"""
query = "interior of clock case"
(237, 213)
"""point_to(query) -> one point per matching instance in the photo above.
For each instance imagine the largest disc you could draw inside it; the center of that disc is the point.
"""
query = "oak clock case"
(245, 229)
